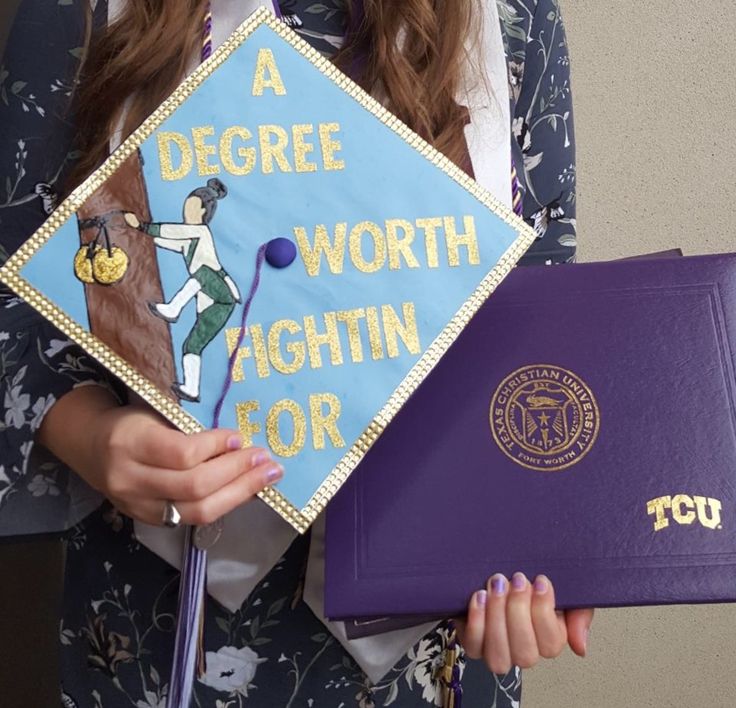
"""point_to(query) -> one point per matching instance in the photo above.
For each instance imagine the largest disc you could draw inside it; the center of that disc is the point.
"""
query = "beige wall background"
(655, 101)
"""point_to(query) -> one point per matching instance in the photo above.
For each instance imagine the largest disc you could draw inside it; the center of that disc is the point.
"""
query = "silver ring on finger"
(171, 517)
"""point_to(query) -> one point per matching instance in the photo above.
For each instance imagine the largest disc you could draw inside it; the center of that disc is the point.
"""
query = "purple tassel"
(456, 687)
(450, 675)
(186, 644)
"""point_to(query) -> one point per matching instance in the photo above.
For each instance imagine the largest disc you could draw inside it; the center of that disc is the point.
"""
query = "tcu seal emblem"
(544, 417)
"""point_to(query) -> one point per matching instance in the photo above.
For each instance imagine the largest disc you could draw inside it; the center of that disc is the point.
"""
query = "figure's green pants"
(211, 320)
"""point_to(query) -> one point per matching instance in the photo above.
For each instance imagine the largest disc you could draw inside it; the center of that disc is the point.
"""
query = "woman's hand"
(131, 219)
(514, 624)
(133, 457)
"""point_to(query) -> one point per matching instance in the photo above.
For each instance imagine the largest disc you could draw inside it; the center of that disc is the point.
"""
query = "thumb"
(578, 628)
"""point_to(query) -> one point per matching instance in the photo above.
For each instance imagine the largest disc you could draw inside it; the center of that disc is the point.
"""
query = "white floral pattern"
(430, 656)
(231, 670)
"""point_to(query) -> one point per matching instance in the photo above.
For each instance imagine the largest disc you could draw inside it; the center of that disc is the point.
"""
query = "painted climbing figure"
(214, 291)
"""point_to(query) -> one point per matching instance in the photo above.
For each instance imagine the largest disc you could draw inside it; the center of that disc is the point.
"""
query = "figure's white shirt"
(179, 237)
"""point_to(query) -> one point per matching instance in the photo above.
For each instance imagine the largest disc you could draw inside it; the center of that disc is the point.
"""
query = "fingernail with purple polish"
(498, 585)
(481, 597)
(274, 473)
(234, 442)
(260, 457)
(518, 581)
(541, 586)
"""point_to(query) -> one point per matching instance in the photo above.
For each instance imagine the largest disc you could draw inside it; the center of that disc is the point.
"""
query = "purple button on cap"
(280, 252)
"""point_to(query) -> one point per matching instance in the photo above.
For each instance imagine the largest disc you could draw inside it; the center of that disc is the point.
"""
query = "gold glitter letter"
(374, 332)
(226, 150)
(312, 257)
(270, 150)
(468, 239)
(164, 140)
(203, 151)
(259, 348)
(247, 427)
(379, 247)
(315, 340)
(267, 63)
(400, 246)
(392, 326)
(296, 349)
(322, 422)
(273, 433)
(430, 227)
(350, 318)
(330, 146)
(301, 148)
(231, 339)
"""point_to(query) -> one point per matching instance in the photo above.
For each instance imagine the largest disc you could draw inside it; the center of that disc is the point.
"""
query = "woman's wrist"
(69, 426)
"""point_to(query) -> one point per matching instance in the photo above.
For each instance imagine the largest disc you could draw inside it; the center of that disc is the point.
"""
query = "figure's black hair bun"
(218, 188)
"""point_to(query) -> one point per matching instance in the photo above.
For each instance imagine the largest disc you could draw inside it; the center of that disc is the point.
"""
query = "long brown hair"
(411, 53)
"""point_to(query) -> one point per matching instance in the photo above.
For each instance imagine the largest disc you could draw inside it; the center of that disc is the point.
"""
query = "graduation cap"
(294, 263)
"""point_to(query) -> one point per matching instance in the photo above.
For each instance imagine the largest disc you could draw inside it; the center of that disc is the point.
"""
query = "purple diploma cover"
(583, 426)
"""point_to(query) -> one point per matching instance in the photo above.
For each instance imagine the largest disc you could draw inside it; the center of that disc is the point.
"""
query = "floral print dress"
(116, 632)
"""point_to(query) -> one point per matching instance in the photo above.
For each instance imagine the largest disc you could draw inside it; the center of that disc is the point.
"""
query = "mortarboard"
(265, 154)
